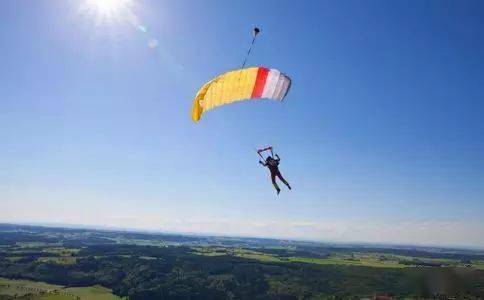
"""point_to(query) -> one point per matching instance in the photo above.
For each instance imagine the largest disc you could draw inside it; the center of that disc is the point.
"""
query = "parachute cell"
(237, 85)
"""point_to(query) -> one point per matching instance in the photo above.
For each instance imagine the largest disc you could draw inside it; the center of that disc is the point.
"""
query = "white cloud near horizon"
(431, 233)
(96, 211)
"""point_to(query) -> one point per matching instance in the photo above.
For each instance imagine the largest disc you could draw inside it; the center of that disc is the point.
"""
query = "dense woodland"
(179, 272)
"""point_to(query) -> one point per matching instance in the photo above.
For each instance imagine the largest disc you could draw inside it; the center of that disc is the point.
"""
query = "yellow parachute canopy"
(237, 85)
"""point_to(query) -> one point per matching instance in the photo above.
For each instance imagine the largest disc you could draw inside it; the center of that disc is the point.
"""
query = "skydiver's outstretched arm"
(277, 157)
(264, 164)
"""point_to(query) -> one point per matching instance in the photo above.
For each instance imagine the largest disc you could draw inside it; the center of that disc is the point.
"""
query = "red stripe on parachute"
(260, 82)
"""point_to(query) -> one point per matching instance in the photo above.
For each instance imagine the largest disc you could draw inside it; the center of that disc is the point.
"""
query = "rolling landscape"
(68, 263)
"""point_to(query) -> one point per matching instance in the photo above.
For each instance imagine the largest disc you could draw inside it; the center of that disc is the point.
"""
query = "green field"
(239, 252)
(63, 251)
(61, 260)
(479, 264)
(367, 261)
(22, 287)
(376, 260)
(46, 291)
(96, 292)
(250, 254)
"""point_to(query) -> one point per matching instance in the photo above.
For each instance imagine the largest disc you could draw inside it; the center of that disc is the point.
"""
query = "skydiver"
(272, 164)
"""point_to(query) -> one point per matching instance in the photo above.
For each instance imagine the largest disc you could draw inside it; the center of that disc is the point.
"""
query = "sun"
(107, 8)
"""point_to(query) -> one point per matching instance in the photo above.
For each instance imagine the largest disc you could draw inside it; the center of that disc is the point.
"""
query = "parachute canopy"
(237, 85)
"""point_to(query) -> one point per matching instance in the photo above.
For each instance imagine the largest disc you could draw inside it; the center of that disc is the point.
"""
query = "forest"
(150, 266)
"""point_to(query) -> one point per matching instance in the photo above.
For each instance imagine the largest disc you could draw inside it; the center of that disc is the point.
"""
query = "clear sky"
(381, 135)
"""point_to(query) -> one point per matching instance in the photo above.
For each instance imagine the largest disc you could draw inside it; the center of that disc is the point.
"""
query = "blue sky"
(381, 135)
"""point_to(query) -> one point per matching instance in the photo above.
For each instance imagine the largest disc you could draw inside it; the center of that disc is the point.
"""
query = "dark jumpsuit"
(273, 165)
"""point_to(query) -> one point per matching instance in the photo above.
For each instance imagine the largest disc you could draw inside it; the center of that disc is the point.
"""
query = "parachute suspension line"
(248, 52)
(254, 35)
(256, 32)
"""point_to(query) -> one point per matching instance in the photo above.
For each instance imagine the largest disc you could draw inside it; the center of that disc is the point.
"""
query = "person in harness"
(273, 165)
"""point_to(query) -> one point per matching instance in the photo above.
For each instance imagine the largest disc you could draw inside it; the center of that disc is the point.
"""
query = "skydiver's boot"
(284, 181)
(287, 184)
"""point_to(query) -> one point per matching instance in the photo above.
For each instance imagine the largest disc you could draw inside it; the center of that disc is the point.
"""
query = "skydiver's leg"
(283, 180)
(273, 178)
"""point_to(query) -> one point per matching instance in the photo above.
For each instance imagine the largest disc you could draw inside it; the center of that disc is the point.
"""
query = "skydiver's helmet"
(269, 158)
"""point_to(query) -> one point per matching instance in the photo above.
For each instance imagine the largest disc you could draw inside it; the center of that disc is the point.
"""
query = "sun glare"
(116, 13)
(107, 8)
